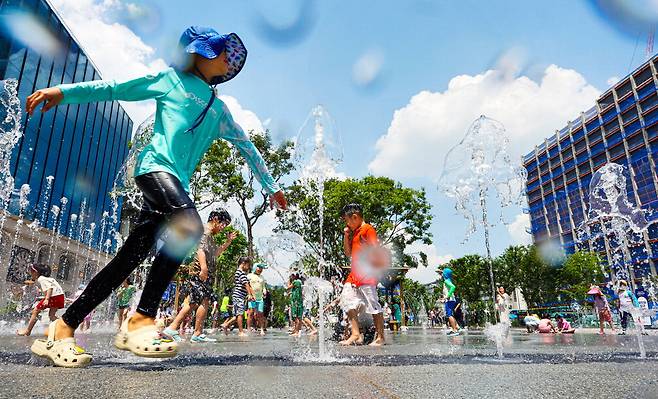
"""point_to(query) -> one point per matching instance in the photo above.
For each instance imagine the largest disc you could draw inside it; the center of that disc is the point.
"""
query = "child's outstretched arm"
(143, 88)
(231, 131)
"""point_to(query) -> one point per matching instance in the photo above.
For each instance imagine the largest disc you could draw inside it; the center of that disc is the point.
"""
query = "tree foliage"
(523, 267)
(580, 271)
(278, 315)
(222, 177)
(415, 295)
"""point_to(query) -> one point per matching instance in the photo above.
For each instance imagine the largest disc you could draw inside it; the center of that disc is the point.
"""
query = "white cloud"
(432, 122)
(427, 274)
(517, 230)
(244, 117)
(612, 80)
(113, 47)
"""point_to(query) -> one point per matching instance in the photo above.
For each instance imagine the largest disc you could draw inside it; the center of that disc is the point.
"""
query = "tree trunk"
(250, 241)
(249, 224)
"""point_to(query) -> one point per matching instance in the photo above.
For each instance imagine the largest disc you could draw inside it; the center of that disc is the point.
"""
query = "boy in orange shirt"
(360, 290)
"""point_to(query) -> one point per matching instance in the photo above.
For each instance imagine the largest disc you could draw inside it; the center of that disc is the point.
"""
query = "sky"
(401, 80)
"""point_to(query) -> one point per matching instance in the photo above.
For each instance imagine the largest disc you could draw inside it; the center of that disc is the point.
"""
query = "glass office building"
(68, 156)
(622, 127)
(81, 146)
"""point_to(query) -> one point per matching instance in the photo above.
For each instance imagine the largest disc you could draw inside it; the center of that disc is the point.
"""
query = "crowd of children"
(189, 117)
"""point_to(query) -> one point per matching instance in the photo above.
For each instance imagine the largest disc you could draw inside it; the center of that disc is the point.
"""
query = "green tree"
(400, 215)
(507, 267)
(278, 315)
(580, 270)
(415, 294)
(220, 177)
(537, 279)
(471, 277)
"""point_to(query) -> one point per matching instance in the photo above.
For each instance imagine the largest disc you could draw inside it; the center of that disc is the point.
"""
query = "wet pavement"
(417, 363)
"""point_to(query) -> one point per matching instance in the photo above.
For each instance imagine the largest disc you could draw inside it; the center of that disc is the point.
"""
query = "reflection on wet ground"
(414, 347)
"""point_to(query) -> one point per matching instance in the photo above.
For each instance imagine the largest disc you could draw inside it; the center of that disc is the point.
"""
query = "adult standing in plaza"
(188, 118)
(257, 305)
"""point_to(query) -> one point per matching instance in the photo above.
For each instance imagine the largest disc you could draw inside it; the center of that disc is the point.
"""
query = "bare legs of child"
(33, 320)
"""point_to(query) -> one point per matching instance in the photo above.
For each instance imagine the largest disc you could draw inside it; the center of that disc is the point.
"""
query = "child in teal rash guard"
(188, 118)
(451, 302)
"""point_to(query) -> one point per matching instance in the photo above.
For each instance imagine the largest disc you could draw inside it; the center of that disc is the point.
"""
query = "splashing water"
(423, 320)
(479, 175)
(10, 134)
(614, 218)
(317, 154)
(284, 242)
(497, 333)
(318, 290)
(612, 215)
(124, 183)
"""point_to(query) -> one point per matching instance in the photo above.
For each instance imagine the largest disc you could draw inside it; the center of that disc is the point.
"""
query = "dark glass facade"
(623, 128)
(81, 146)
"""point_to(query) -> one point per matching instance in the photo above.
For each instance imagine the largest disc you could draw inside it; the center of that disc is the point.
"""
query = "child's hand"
(232, 236)
(52, 96)
(45, 302)
(346, 231)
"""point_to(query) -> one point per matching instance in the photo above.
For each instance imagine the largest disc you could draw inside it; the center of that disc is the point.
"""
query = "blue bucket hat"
(209, 44)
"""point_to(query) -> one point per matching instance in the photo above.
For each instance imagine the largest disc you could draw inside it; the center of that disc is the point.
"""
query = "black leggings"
(168, 215)
(624, 319)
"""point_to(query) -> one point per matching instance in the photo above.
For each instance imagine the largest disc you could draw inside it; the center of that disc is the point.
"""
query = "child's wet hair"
(220, 215)
(351, 209)
(41, 269)
(245, 259)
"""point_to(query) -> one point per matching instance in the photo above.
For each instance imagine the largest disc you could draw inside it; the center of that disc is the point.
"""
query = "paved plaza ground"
(418, 363)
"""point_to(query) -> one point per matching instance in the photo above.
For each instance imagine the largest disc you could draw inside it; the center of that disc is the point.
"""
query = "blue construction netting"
(649, 102)
(590, 112)
(632, 128)
(582, 157)
(593, 124)
(646, 90)
(626, 103)
(608, 115)
(651, 117)
(613, 140)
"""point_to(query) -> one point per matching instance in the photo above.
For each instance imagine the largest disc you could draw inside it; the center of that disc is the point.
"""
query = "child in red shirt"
(360, 291)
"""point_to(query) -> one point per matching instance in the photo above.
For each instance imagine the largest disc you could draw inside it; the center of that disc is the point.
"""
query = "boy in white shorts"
(360, 290)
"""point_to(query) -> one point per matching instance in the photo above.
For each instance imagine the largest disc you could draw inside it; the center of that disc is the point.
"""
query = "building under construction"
(622, 127)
